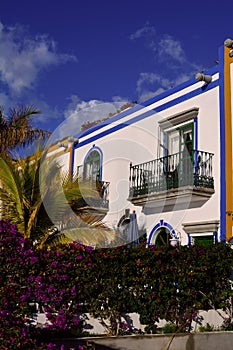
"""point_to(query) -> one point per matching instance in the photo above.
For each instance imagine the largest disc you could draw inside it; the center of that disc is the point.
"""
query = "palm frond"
(20, 113)
(53, 239)
(16, 130)
(33, 218)
(91, 236)
(10, 182)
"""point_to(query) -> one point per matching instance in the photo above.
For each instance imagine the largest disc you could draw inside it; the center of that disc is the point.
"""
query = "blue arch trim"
(162, 223)
(222, 149)
(99, 150)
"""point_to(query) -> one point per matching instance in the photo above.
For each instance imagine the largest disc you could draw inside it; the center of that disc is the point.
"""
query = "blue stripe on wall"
(222, 149)
(150, 101)
(149, 113)
(204, 88)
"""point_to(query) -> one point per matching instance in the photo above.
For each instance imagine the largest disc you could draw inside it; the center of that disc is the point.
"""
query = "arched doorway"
(161, 234)
(162, 237)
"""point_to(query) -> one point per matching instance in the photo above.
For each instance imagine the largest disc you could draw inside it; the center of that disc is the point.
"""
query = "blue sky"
(67, 55)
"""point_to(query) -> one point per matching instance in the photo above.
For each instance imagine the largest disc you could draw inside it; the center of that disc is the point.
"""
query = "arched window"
(92, 165)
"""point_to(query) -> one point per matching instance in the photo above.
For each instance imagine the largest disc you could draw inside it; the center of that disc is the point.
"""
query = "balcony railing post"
(172, 171)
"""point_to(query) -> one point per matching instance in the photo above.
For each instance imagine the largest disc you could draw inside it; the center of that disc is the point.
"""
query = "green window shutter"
(204, 240)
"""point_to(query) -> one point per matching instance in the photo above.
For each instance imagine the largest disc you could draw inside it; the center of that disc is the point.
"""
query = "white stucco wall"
(138, 143)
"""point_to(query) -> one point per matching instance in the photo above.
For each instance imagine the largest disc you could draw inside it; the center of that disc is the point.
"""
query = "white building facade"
(169, 159)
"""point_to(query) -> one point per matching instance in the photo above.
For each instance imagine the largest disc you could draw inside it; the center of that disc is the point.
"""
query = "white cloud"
(145, 31)
(80, 109)
(169, 48)
(152, 78)
(23, 57)
(151, 84)
(79, 112)
(171, 66)
(146, 94)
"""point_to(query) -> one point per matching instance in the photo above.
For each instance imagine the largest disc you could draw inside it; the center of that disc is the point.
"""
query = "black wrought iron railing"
(102, 188)
(173, 171)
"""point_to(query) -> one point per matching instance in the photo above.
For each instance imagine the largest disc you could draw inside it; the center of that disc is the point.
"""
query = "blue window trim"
(189, 239)
(215, 237)
(160, 224)
(196, 143)
(215, 234)
(72, 162)
(95, 148)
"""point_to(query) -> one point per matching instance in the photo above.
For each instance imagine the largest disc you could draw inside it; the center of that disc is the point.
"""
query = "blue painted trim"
(165, 150)
(72, 163)
(215, 234)
(195, 143)
(162, 224)
(148, 113)
(180, 87)
(222, 149)
(95, 148)
(167, 225)
(150, 101)
(189, 239)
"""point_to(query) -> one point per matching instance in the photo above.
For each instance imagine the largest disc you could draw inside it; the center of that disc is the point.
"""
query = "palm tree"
(70, 206)
(16, 130)
(19, 192)
(23, 204)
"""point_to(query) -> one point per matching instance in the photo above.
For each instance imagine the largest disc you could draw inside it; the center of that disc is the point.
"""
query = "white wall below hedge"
(211, 317)
(93, 326)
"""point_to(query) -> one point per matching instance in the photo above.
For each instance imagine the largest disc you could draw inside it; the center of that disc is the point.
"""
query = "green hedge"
(170, 283)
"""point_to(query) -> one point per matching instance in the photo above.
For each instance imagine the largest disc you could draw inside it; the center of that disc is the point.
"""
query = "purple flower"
(54, 264)
(79, 257)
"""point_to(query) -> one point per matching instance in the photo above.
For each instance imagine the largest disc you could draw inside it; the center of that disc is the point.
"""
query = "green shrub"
(169, 327)
(206, 328)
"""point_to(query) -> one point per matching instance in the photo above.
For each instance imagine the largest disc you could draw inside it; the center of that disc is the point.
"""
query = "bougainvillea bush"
(18, 263)
(48, 278)
(67, 281)
(61, 287)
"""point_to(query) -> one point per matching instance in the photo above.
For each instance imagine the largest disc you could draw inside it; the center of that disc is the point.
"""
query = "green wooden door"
(186, 145)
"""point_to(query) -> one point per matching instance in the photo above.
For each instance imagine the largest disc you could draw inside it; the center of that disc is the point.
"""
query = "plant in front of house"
(52, 279)
(61, 289)
(70, 280)
(18, 265)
